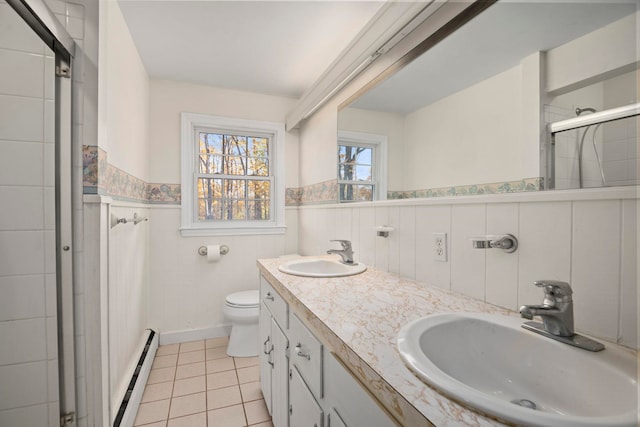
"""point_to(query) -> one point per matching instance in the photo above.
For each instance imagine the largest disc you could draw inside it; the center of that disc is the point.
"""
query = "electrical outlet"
(440, 247)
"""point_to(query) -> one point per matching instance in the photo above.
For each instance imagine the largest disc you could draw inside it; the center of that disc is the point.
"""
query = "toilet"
(243, 309)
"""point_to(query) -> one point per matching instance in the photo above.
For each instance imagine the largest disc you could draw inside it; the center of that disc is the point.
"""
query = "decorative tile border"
(100, 177)
(314, 194)
(524, 185)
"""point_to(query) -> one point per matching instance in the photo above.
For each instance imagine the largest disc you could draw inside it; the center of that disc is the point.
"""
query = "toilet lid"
(244, 299)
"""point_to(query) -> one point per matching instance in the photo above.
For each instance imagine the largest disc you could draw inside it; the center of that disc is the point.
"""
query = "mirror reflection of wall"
(469, 116)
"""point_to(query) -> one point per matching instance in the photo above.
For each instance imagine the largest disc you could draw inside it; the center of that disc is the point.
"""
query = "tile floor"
(195, 384)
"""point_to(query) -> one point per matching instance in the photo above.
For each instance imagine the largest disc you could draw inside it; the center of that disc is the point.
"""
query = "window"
(231, 176)
(361, 167)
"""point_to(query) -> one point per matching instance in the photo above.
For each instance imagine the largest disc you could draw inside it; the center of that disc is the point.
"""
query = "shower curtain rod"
(595, 118)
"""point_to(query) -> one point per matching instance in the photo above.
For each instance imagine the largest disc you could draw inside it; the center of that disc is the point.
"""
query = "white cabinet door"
(304, 411)
(346, 396)
(334, 420)
(266, 355)
(279, 378)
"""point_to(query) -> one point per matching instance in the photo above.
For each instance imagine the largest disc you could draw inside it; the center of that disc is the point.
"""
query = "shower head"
(582, 110)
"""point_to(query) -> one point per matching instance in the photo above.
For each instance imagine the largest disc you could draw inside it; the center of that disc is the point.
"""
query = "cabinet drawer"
(273, 301)
(306, 354)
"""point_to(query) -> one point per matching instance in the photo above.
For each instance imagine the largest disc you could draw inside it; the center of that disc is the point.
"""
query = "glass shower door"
(30, 223)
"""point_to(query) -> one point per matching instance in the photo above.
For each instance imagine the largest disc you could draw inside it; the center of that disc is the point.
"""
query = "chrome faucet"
(346, 253)
(556, 312)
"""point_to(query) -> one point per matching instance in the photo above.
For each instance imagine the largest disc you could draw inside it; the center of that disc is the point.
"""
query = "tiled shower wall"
(586, 238)
(28, 327)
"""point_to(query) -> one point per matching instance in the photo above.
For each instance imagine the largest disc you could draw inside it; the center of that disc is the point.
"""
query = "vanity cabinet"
(303, 384)
(274, 361)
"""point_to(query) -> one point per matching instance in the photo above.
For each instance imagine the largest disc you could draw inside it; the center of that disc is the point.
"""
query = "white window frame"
(379, 144)
(190, 225)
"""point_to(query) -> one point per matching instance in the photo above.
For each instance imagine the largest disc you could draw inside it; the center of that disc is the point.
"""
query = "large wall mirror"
(471, 115)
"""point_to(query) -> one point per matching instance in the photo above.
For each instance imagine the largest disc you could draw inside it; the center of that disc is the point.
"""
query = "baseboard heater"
(129, 407)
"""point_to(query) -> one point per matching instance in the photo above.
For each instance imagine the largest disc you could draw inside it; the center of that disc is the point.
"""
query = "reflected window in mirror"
(361, 174)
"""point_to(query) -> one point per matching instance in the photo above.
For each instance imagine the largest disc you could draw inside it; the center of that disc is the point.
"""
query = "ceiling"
(494, 41)
(270, 47)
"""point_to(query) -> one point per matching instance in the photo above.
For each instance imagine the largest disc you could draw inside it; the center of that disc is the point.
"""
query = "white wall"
(586, 239)
(28, 315)
(125, 95)
(470, 137)
(186, 293)
(594, 56)
(124, 134)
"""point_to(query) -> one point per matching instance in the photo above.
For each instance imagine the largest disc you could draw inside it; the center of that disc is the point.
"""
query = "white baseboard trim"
(131, 410)
(173, 337)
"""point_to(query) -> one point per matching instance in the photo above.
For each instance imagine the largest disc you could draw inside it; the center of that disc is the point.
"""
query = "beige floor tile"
(187, 405)
(221, 379)
(159, 391)
(161, 375)
(158, 424)
(216, 353)
(251, 391)
(206, 390)
(248, 375)
(195, 420)
(191, 357)
(217, 342)
(164, 361)
(152, 412)
(191, 346)
(222, 397)
(256, 412)
(189, 386)
(219, 365)
(190, 370)
(244, 362)
(165, 350)
(231, 416)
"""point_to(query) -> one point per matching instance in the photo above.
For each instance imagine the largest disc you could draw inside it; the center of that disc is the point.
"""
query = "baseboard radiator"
(129, 407)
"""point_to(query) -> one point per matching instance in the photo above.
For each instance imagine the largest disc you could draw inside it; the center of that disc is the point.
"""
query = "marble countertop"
(358, 318)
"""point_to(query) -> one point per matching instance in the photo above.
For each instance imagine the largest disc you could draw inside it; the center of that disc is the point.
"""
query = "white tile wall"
(28, 330)
(591, 244)
(468, 221)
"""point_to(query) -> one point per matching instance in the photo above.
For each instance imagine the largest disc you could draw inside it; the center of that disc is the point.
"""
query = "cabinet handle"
(299, 352)
(264, 346)
(269, 357)
(269, 296)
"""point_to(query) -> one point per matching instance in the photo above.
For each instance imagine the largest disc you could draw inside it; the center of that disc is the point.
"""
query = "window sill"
(235, 231)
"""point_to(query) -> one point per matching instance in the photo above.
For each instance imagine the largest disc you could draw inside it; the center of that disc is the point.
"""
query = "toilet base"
(243, 341)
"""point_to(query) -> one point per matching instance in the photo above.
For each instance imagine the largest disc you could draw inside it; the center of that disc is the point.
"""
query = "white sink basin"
(487, 362)
(318, 267)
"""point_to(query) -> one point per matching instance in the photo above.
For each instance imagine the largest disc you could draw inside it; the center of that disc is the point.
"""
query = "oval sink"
(317, 267)
(491, 364)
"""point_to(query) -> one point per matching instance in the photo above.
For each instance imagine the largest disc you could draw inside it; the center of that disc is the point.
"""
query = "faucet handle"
(555, 290)
(345, 243)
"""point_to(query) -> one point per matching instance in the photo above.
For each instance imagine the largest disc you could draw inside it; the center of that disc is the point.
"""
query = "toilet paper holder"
(224, 249)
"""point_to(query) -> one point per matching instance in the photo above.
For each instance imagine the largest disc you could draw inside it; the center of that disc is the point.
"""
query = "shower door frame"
(44, 23)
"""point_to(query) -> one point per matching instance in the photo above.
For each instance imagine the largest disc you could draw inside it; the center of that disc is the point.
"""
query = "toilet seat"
(244, 299)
